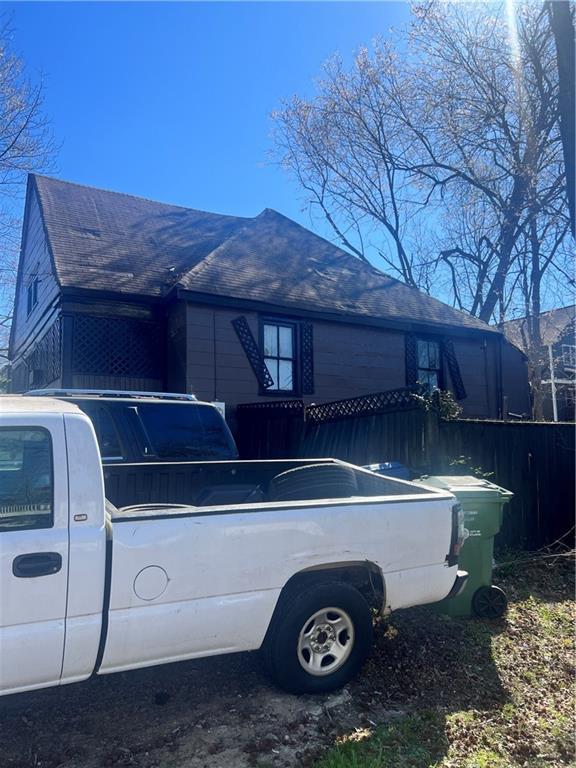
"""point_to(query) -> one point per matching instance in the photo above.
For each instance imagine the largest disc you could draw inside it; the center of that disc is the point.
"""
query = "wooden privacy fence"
(534, 460)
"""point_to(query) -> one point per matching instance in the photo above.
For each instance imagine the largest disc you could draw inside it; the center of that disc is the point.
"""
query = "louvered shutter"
(411, 360)
(252, 352)
(453, 368)
(307, 358)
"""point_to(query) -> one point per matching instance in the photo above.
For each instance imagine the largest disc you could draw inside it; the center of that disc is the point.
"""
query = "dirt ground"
(220, 712)
(224, 713)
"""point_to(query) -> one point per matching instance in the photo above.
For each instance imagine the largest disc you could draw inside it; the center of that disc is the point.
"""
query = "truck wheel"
(489, 602)
(319, 638)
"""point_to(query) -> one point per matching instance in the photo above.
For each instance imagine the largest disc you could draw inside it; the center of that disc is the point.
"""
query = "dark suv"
(134, 427)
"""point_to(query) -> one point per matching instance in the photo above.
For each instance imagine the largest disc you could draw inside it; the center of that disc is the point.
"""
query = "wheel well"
(365, 576)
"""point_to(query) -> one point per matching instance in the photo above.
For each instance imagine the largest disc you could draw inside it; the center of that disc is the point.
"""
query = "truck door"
(33, 551)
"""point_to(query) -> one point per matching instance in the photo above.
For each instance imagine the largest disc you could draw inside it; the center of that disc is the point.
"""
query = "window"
(106, 434)
(25, 479)
(32, 293)
(279, 345)
(176, 431)
(429, 364)
(569, 355)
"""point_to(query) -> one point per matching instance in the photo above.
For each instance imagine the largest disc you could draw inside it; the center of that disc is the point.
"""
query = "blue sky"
(172, 100)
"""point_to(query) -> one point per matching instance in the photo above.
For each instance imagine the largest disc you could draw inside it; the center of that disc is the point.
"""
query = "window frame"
(439, 370)
(294, 326)
(34, 526)
(32, 293)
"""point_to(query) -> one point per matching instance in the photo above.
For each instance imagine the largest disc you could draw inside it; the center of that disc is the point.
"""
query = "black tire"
(489, 602)
(281, 648)
(315, 481)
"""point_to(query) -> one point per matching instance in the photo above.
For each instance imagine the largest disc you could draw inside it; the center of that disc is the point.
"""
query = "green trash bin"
(482, 503)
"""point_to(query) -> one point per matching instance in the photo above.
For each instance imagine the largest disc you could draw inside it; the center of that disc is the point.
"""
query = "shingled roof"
(553, 324)
(128, 245)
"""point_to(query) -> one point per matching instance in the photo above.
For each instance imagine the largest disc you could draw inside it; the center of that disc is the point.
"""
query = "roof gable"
(112, 241)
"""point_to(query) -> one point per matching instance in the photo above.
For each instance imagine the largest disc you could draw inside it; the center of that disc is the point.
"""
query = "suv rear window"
(106, 434)
(181, 431)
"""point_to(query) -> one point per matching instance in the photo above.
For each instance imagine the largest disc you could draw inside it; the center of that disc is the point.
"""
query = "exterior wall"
(478, 362)
(40, 362)
(515, 384)
(176, 347)
(29, 330)
(349, 360)
(352, 360)
(216, 366)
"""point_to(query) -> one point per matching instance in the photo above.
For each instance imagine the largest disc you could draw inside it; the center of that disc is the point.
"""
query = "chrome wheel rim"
(325, 641)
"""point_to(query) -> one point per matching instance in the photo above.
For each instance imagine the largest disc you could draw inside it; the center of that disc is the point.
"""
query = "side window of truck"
(26, 479)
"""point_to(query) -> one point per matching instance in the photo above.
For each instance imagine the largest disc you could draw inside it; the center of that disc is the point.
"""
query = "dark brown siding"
(478, 362)
(352, 360)
(515, 385)
(349, 360)
(176, 348)
(217, 368)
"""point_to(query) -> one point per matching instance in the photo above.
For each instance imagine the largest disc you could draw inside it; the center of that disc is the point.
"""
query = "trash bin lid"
(467, 486)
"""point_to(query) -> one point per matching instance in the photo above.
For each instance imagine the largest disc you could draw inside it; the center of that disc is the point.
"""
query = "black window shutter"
(307, 358)
(252, 352)
(454, 369)
(411, 360)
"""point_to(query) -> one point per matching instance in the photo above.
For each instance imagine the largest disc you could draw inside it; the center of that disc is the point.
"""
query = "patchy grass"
(471, 693)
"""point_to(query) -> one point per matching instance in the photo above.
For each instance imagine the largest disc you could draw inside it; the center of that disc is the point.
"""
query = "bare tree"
(26, 145)
(455, 123)
(341, 147)
(562, 23)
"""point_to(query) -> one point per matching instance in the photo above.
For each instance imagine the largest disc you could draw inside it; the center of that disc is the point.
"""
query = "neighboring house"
(558, 332)
(118, 292)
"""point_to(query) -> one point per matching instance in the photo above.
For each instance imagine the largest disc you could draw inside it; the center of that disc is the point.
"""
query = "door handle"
(36, 564)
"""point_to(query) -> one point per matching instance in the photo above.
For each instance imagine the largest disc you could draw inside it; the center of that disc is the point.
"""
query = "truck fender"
(365, 576)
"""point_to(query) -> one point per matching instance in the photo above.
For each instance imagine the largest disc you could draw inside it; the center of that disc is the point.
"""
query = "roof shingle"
(553, 324)
(115, 242)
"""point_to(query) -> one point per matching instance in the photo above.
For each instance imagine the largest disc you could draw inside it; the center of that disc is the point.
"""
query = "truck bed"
(218, 483)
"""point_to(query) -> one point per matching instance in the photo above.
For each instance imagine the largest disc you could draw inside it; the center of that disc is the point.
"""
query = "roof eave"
(406, 326)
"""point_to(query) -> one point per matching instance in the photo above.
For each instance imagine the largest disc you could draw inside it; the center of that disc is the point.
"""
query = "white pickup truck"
(293, 567)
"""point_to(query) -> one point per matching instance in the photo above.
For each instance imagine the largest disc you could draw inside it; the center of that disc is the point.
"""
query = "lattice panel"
(306, 341)
(117, 346)
(454, 369)
(286, 405)
(393, 399)
(44, 362)
(252, 352)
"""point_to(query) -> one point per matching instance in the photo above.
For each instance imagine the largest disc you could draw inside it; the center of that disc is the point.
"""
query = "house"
(119, 292)
(558, 332)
